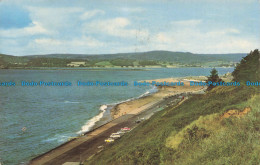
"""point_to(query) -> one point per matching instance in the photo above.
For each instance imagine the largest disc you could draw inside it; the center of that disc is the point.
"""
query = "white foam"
(71, 102)
(58, 138)
(85, 128)
(89, 124)
(103, 107)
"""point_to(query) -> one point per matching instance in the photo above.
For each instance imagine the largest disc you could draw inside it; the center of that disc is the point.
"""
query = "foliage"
(48, 62)
(213, 78)
(249, 68)
(146, 62)
(122, 62)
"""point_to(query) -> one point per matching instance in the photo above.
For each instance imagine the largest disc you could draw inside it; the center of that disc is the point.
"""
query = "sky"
(30, 27)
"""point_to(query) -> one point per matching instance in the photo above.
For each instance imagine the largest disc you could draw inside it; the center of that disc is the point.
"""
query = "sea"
(35, 119)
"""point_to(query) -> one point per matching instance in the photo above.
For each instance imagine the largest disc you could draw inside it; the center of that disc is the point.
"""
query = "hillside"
(219, 127)
(142, 59)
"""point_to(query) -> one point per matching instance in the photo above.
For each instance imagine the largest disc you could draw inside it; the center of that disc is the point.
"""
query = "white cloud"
(33, 29)
(58, 20)
(92, 13)
(83, 44)
(186, 23)
(163, 38)
(116, 27)
(47, 41)
(189, 37)
(65, 44)
(57, 29)
(219, 1)
(131, 10)
(37, 28)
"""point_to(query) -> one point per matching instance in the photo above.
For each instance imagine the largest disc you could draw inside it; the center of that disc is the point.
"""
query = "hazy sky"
(93, 27)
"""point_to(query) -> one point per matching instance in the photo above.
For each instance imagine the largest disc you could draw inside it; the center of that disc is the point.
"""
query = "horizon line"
(120, 53)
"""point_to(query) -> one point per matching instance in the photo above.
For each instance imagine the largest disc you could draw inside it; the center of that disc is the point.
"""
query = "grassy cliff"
(165, 137)
(195, 132)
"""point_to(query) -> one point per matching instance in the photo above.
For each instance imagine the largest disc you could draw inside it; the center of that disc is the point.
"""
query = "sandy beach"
(124, 115)
(138, 105)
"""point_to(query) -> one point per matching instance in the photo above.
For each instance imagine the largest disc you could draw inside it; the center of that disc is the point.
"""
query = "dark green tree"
(213, 78)
(249, 68)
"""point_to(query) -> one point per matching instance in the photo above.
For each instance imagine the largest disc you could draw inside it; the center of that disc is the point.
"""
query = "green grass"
(231, 141)
(103, 63)
(149, 143)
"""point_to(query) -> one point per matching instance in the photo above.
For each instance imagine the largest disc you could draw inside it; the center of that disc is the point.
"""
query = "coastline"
(122, 114)
(107, 110)
(140, 103)
(137, 105)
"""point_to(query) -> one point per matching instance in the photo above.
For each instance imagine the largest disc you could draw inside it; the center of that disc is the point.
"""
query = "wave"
(58, 138)
(87, 127)
(71, 102)
(91, 123)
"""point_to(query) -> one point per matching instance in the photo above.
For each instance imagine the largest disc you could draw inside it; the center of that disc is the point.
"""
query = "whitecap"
(71, 102)
(87, 127)
(57, 138)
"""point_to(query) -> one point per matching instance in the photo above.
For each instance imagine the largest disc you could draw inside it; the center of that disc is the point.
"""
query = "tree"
(213, 78)
(249, 68)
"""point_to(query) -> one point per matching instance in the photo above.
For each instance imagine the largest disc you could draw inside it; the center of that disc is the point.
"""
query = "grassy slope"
(229, 140)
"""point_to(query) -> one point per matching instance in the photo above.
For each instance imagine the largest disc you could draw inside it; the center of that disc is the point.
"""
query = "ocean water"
(36, 119)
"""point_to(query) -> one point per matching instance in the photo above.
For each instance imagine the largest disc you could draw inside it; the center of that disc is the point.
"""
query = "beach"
(124, 115)
(138, 105)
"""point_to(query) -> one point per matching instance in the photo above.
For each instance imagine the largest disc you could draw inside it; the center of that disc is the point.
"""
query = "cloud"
(56, 19)
(34, 29)
(223, 32)
(90, 14)
(187, 36)
(131, 10)
(163, 38)
(77, 42)
(83, 44)
(219, 1)
(108, 28)
(117, 27)
(186, 23)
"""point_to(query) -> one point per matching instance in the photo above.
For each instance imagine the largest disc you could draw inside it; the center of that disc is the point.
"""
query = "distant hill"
(156, 58)
(152, 55)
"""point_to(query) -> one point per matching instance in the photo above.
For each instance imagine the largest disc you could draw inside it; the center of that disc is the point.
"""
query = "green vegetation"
(147, 144)
(122, 62)
(47, 62)
(248, 68)
(194, 132)
(143, 59)
(103, 63)
(213, 78)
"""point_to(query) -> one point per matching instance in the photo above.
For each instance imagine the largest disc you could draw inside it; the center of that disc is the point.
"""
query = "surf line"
(88, 126)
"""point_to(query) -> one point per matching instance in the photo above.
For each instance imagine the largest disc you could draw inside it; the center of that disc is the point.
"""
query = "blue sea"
(35, 119)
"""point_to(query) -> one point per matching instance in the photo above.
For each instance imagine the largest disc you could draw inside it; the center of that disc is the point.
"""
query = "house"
(76, 64)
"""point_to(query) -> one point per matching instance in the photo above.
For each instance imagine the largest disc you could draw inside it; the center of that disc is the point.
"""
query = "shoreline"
(132, 110)
(141, 102)
(108, 112)
(116, 68)
(137, 105)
